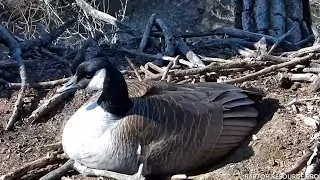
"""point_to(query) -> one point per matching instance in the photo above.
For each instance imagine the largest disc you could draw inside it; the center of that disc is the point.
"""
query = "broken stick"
(189, 54)
(17, 55)
(134, 68)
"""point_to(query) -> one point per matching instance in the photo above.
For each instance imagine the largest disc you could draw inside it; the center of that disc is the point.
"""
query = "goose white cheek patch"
(96, 82)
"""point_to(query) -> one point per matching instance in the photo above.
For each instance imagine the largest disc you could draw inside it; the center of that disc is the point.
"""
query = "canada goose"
(179, 127)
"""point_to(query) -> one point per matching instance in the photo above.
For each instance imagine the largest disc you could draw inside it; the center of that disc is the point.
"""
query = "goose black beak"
(71, 85)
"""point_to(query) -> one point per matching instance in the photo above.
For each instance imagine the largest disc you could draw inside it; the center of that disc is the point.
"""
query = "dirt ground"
(280, 138)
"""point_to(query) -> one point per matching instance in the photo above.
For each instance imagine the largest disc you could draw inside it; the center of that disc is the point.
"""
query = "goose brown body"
(186, 126)
(179, 128)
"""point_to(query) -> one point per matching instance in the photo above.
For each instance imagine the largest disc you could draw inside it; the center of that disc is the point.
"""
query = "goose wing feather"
(203, 122)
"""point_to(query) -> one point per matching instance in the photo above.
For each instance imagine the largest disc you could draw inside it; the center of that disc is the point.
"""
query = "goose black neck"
(115, 98)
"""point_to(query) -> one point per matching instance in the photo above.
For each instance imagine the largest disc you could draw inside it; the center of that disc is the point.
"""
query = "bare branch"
(16, 49)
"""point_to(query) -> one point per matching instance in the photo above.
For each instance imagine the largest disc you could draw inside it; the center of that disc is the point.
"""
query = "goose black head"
(100, 74)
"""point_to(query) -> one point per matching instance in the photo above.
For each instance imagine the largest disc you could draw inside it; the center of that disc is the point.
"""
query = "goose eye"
(88, 76)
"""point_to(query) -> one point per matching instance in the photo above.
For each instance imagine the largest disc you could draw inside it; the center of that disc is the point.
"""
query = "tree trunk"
(274, 17)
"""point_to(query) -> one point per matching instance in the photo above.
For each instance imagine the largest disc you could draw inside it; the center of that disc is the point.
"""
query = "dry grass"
(21, 18)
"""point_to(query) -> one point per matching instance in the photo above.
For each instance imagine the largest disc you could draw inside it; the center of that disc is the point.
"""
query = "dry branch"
(210, 68)
(59, 172)
(37, 164)
(168, 37)
(146, 72)
(270, 69)
(47, 84)
(158, 56)
(305, 41)
(282, 38)
(253, 36)
(165, 73)
(189, 54)
(146, 33)
(103, 173)
(47, 105)
(16, 49)
(134, 69)
(313, 49)
(209, 59)
(106, 17)
(153, 67)
(221, 42)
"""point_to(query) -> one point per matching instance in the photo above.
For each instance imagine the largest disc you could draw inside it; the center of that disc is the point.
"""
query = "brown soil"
(282, 138)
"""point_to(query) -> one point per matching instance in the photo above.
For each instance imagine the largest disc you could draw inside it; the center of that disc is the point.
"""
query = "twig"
(134, 68)
(283, 37)
(146, 72)
(59, 172)
(103, 173)
(210, 59)
(252, 36)
(189, 54)
(221, 42)
(246, 52)
(16, 49)
(270, 69)
(168, 37)
(39, 163)
(165, 73)
(47, 105)
(305, 41)
(106, 17)
(47, 84)
(158, 56)
(146, 33)
(153, 66)
(303, 51)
